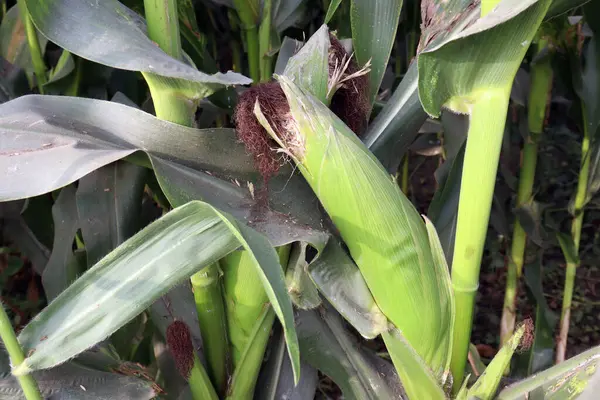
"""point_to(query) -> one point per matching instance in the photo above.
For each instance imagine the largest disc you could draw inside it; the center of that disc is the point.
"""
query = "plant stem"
(484, 142)
(206, 285)
(405, 174)
(266, 62)
(199, 382)
(163, 29)
(582, 184)
(249, 14)
(541, 85)
(7, 334)
(37, 58)
(73, 89)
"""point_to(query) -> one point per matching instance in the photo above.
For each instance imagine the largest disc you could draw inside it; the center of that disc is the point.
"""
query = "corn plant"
(229, 224)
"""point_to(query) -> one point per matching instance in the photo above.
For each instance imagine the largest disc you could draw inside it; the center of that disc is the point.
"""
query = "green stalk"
(266, 62)
(248, 13)
(7, 334)
(206, 285)
(37, 58)
(484, 142)
(73, 89)
(163, 29)
(541, 85)
(582, 183)
(199, 382)
(405, 174)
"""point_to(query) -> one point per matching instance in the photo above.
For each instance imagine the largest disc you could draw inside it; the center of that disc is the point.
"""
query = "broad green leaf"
(417, 379)
(594, 179)
(333, 6)
(374, 25)
(328, 346)
(308, 68)
(397, 125)
(456, 67)
(13, 40)
(74, 382)
(62, 268)
(288, 48)
(487, 384)
(287, 13)
(109, 204)
(134, 275)
(340, 281)
(109, 33)
(563, 381)
(276, 380)
(356, 191)
(51, 141)
(301, 288)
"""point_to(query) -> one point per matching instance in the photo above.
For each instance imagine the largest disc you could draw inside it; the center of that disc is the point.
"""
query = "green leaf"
(74, 382)
(130, 278)
(397, 125)
(51, 141)
(308, 68)
(415, 375)
(62, 268)
(593, 185)
(301, 288)
(440, 78)
(559, 7)
(13, 40)
(530, 216)
(541, 355)
(488, 382)
(109, 205)
(340, 281)
(333, 6)
(374, 25)
(276, 380)
(568, 248)
(328, 346)
(563, 381)
(109, 33)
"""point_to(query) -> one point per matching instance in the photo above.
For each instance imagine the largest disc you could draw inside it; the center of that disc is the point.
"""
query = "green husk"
(383, 231)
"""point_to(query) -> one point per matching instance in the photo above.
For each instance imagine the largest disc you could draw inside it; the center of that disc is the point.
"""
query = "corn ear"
(383, 231)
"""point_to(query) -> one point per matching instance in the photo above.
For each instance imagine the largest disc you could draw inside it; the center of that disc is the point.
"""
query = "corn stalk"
(163, 29)
(541, 86)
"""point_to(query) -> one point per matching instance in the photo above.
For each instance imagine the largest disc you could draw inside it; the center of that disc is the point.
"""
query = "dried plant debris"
(349, 87)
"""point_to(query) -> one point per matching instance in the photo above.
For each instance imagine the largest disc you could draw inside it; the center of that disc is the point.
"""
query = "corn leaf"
(308, 68)
(397, 125)
(333, 6)
(130, 278)
(301, 288)
(13, 40)
(276, 380)
(488, 382)
(109, 206)
(559, 7)
(417, 379)
(72, 381)
(456, 65)
(328, 346)
(340, 281)
(109, 33)
(563, 381)
(51, 141)
(374, 217)
(62, 268)
(374, 25)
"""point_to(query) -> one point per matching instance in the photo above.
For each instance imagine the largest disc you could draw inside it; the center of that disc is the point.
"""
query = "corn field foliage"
(299, 199)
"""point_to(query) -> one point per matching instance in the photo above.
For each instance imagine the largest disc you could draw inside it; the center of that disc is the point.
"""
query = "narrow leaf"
(333, 6)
